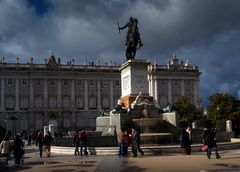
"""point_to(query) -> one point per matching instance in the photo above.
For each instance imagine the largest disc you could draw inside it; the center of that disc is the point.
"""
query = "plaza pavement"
(165, 162)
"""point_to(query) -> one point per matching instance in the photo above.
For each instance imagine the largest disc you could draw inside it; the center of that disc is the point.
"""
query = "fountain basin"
(156, 138)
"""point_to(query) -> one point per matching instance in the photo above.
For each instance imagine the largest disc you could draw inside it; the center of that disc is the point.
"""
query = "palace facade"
(71, 96)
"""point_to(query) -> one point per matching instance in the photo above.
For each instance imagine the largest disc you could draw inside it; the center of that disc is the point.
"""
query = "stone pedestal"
(134, 77)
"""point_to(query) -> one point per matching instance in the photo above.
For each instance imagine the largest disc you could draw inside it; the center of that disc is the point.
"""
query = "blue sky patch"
(41, 6)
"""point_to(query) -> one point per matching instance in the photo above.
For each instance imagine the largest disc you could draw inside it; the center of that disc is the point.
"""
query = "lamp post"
(217, 115)
(205, 112)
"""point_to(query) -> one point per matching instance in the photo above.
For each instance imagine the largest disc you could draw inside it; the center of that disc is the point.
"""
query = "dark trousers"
(76, 149)
(40, 150)
(135, 148)
(209, 152)
(83, 145)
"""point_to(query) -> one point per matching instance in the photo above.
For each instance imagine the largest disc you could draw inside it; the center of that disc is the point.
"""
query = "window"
(65, 82)
(10, 103)
(92, 83)
(66, 102)
(104, 83)
(9, 81)
(24, 82)
(105, 103)
(92, 103)
(117, 83)
(52, 102)
(24, 102)
(79, 82)
(38, 102)
(38, 82)
(79, 103)
(52, 82)
(163, 101)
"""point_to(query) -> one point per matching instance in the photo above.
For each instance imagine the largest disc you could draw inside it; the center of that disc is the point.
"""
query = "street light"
(205, 112)
(217, 112)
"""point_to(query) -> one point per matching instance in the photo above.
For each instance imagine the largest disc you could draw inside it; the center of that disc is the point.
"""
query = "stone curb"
(148, 150)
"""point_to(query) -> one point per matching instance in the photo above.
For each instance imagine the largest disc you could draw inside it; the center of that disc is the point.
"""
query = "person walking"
(120, 138)
(76, 141)
(185, 142)
(5, 148)
(48, 141)
(29, 140)
(83, 142)
(40, 143)
(210, 141)
(189, 149)
(18, 150)
(136, 143)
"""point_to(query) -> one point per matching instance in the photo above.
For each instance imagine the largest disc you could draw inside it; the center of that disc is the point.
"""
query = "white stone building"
(72, 96)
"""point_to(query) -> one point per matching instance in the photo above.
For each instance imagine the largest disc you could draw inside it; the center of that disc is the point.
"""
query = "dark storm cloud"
(204, 32)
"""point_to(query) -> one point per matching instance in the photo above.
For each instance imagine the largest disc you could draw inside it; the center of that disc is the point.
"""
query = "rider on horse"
(133, 38)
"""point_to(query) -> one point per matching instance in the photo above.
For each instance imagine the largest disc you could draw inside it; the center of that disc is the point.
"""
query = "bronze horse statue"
(133, 40)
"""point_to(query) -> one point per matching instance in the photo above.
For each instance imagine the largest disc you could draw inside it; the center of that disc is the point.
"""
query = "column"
(156, 92)
(111, 94)
(99, 106)
(31, 94)
(17, 95)
(59, 93)
(45, 93)
(2, 108)
(196, 92)
(170, 91)
(73, 93)
(182, 88)
(86, 95)
(153, 87)
(150, 85)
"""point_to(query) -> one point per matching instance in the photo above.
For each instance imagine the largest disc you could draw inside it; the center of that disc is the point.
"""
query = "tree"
(223, 106)
(186, 110)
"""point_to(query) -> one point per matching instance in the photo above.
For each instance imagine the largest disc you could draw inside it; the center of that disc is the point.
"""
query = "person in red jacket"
(83, 142)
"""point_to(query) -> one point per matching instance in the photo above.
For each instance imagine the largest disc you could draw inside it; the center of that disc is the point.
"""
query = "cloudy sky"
(206, 32)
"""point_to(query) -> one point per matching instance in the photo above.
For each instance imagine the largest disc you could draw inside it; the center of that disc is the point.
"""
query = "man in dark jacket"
(40, 142)
(210, 141)
(185, 142)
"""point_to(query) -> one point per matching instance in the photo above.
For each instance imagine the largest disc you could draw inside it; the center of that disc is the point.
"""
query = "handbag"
(204, 147)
